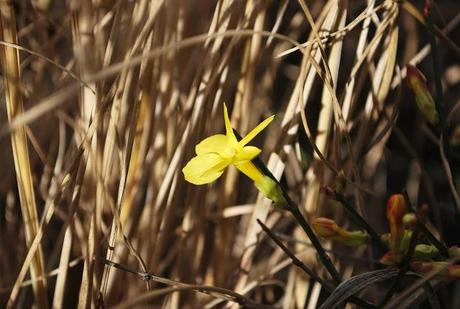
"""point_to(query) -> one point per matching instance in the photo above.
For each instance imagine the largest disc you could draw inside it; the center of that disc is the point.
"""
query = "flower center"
(228, 152)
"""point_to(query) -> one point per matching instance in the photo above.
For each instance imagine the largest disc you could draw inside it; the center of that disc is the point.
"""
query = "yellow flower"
(218, 151)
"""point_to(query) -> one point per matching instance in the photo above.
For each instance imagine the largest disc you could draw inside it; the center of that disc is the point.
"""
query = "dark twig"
(328, 287)
(444, 146)
(360, 221)
(352, 258)
(325, 259)
(295, 211)
(294, 259)
(209, 290)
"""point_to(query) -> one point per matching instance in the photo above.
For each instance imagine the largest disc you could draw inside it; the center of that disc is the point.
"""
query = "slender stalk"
(295, 211)
(225, 293)
(444, 146)
(10, 65)
(325, 259)
(301, 265)
(359, 220)
(294, 259)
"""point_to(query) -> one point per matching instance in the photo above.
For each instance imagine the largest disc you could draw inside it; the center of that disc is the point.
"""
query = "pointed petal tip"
(228, 125)
(261, 126)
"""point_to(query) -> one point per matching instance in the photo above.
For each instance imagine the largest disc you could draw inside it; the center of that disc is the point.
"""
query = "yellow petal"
(250, 170)
(218, 143)
(246, 154)
(205, 168)
(228, 127)
(256, 131)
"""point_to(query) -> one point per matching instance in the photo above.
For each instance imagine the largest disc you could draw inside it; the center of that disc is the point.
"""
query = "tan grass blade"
(144, 81)
(11, 72)
(381, 82)
(77, 166)
(59, 291)
(85, 298)
(126, 84)
(335, 18)
(244, 97)
(88, 60)
(61, 97)
(411, 9)
(346, 104)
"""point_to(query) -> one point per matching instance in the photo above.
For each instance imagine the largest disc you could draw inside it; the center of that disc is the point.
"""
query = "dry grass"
(106, 100)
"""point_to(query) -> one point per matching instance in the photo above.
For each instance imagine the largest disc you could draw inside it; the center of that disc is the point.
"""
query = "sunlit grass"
(104, 103)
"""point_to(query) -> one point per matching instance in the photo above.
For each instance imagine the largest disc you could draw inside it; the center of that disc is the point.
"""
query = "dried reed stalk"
(14, 103)
(151, 77)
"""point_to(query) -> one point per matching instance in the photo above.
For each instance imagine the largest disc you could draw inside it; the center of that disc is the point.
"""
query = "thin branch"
(301, 265)
(295, 211)
(359, 220)
(227, 294)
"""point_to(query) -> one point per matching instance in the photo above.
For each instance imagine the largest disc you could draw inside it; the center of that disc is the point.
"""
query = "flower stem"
(301, 265)
(295, 211)
(325, 259)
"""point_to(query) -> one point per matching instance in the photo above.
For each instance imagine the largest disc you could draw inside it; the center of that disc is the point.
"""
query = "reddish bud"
(396, 208)
(328, 229)
(390, 258)
(423, 98)
(427, 8)
(325, 227)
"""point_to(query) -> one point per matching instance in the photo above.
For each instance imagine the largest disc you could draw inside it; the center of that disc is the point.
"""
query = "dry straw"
(118, 93)
(14, 104)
